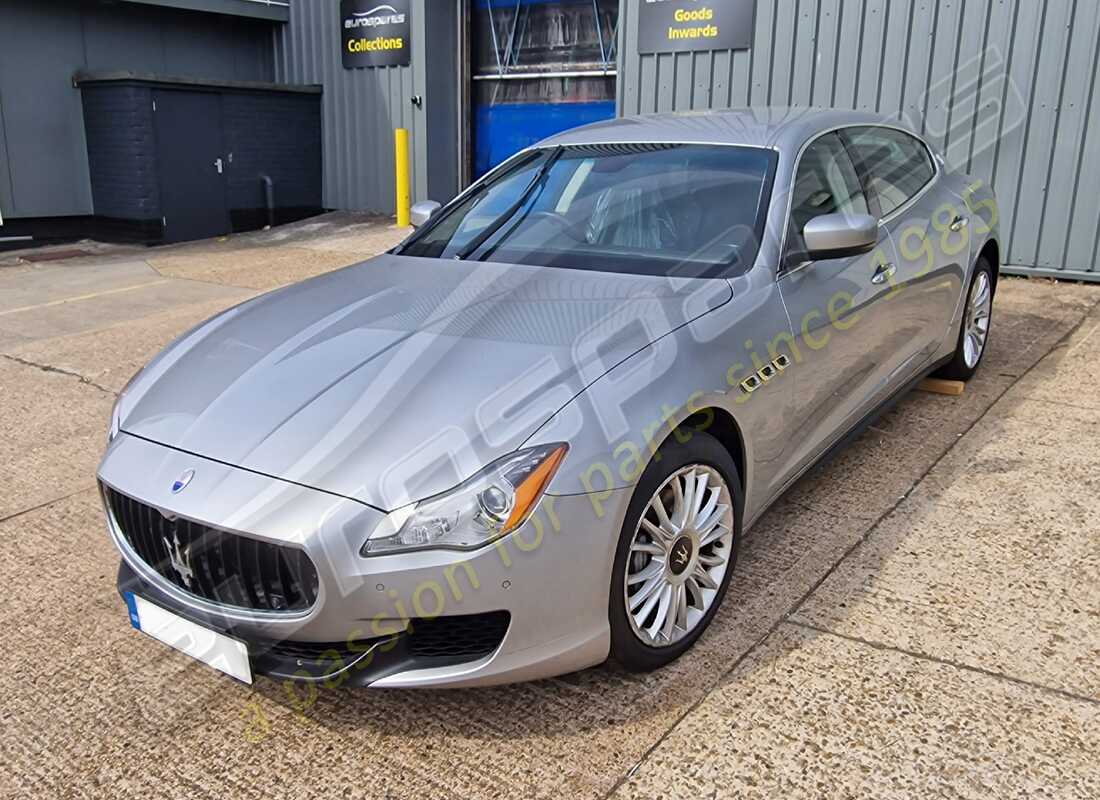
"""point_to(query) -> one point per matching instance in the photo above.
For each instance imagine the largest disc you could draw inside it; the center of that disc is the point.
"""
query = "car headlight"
(116, 422)
(116, 409)
(492, 503)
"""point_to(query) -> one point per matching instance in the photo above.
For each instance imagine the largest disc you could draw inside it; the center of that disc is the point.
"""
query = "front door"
(192, 162)
(839, 309)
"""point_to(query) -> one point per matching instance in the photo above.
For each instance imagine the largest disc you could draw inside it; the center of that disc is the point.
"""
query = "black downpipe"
(269, 199)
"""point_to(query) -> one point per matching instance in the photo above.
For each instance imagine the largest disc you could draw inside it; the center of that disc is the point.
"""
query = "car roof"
(780, 128)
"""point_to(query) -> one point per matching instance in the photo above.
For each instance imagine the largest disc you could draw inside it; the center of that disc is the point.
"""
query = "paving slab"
(1024, 308)
(994, 561)
(72, 574)
(811, 715)
(10, 339)
(110, 356)
(52, 434)
(51, 283)
(367, 238)
(105, 308)
(1070, 375)
(256, 267)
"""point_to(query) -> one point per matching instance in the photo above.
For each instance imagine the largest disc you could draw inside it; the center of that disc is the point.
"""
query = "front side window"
(654, 209)
(897, 164)
(826, 183)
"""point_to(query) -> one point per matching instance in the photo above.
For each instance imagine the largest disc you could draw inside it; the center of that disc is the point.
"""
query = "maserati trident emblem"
(180, 558)
(680, 555)
(182, 481)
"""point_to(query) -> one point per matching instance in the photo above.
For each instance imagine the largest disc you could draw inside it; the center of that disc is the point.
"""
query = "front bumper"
(441, 643)
(549, 580)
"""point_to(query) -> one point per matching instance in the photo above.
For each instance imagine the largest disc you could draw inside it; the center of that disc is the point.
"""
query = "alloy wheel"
(978, 311)
(679, 555)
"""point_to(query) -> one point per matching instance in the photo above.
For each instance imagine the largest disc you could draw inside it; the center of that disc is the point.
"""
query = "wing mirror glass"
(840, 236)
(421, 212)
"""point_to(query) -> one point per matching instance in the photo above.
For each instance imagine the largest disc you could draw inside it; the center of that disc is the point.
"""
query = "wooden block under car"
(939, 386)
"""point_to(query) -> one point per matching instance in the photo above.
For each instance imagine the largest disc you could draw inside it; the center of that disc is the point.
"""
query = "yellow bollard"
(401, 151)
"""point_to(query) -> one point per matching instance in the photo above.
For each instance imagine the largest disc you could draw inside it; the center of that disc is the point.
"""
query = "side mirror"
(421, 212)
(840, 236)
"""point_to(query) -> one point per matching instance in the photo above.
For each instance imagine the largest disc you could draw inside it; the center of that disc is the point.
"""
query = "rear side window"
(897, 165)
(826, 183)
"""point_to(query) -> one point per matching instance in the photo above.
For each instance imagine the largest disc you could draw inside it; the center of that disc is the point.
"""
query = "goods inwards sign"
(666, 26)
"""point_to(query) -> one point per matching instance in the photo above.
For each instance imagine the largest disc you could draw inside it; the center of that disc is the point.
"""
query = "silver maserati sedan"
(531, 437)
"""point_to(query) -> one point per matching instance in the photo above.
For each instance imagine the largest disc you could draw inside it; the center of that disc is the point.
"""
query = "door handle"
(959, 223)
(883, 273)
(219, 165)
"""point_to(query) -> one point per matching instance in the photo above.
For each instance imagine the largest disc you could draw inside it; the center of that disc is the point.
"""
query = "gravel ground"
(920, 616)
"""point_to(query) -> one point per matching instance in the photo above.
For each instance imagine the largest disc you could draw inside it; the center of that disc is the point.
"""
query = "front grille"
(216, 565)
(314, 651)
(468, 636)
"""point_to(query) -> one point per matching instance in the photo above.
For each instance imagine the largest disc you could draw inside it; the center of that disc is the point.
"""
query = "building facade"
(149, 120)
(1005, 88)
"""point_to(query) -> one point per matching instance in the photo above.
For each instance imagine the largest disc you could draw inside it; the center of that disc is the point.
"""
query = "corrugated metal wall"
(361, 107)
(1005, 88)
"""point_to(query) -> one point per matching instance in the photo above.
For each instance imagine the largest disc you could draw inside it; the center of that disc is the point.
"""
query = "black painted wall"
(118, 124)
(277, 135)
(266, 133)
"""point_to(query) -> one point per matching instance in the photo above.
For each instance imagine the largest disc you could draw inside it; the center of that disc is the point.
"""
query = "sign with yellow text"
(670, 26)
(375, 33)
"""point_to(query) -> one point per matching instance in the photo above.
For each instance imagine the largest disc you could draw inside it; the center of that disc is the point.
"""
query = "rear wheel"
(974, 334)
(676, 553)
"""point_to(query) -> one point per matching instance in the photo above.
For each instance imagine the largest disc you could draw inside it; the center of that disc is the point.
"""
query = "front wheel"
(974, 334)
(676, 553)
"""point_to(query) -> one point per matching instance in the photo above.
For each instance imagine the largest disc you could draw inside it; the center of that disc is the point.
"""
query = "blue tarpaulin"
(505, 129)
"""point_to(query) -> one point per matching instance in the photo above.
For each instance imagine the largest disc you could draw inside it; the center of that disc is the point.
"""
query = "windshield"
(653, 209)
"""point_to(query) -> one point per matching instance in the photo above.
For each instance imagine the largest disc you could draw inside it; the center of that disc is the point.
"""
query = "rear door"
(838, 308)
(902, 178)
(191, 159)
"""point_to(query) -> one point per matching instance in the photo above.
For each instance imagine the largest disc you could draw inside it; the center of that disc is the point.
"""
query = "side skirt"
(853, 433)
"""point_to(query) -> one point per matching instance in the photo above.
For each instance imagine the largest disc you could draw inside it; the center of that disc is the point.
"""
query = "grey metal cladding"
(361, 107)
(274, 10)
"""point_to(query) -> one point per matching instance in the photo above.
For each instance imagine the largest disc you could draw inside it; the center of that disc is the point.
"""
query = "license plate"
(210, 647)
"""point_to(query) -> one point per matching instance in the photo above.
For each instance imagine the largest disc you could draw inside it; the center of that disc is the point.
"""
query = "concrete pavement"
(919, 617)
(955, 650)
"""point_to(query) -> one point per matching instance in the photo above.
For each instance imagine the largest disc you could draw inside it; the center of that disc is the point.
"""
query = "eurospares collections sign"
(671, 26)
(375, 34)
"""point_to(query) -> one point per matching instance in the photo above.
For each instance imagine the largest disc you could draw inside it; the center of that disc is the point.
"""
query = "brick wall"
(118, 123)
(278, 135)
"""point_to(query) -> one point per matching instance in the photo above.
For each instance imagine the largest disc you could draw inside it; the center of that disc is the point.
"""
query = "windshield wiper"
(498, 223)
(453, 207)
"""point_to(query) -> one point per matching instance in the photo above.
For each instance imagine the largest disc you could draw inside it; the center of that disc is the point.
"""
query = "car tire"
(675, 463)
(963, 363)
